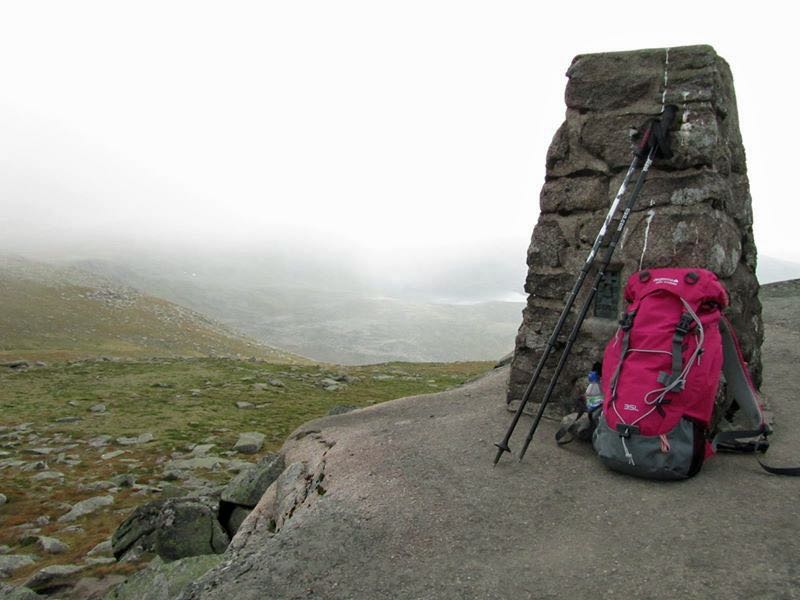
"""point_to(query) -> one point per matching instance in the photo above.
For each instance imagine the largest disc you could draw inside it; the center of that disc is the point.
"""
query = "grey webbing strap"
(737, 379)
(625, 324)
(738, 382)
(681, 329)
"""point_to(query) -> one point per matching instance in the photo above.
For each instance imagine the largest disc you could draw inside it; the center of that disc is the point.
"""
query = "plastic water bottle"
(594, 395)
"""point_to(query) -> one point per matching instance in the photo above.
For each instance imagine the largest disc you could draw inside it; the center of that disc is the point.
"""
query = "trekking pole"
(551, 342)
(655, 144)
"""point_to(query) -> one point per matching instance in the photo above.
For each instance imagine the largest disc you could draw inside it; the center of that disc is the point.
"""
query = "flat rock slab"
(412, 508)
(85, 507)
(249, 442)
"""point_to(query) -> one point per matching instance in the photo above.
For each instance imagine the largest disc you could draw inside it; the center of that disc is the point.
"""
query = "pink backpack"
(661, 374)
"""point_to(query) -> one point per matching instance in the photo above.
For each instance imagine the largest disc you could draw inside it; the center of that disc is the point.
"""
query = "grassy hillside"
(58, 448)
(56, 314)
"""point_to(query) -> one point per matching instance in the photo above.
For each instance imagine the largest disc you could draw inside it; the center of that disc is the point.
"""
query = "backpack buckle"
(627, 321)
(684, 324)
(626, 431)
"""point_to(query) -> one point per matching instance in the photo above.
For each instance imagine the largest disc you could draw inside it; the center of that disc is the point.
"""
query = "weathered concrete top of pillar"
(615, 91)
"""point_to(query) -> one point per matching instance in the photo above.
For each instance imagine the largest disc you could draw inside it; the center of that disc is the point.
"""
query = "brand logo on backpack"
(665, 281)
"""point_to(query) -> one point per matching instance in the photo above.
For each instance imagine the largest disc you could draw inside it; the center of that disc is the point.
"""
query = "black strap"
(792, 471)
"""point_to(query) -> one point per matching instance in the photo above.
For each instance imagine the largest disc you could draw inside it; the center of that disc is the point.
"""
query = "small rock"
(201, 449)
(340, 409)
(41, 451)
(53, 576)
(3, 499)
(45, 475)
(260, 387)
(92, 587)
(110, 455)
(124, 480)
(40, 363)
(11, 562)
(249, 485)
(249, 442)
(16, 364)
(330, 385)
(100, 560)
(9, 592)
(5, 549)
(39, 465)
(51, 545)
(100, 440)
(242, 404)
(42, 521)
(196, 393)
(199, 462)
(101, 549)
(98, 408)
(72, 419)
(98, 486)
(86, 507)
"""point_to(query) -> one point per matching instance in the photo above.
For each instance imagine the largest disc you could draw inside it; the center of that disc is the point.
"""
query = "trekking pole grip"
(656, 134)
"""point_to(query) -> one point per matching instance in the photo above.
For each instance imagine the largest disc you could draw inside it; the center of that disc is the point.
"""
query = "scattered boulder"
(276, 383)
(102, 549)
(198, 462)
(16, 364)
(330, 385)
(3, 499)
(248, 486)
(52, 578)
(41, 451)
(51, 545)
(100, 440)
(132, 441)
(9, 592)
(246, 489)
(45, 475)
(242, 404)
(86, 507)
(98, 408)
(69, 419)
(11, 562)
(235, 519)
(173, 528)
(113, 454)
(93, 587)
(164, 580)
(249, 442)
(340, 409)
(202, 449)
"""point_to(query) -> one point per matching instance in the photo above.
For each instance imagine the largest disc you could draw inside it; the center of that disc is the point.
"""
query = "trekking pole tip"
(501, 447)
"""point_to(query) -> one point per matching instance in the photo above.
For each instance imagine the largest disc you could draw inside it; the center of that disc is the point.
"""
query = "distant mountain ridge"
(348, 323)
(63, 313)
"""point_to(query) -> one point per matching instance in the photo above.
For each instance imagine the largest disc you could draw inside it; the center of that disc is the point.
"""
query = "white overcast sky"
(389, 125)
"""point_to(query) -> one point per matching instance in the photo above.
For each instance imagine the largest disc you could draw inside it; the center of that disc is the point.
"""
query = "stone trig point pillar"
(694, 209)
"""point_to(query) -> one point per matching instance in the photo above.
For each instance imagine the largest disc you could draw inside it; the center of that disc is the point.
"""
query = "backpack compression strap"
(738, 379)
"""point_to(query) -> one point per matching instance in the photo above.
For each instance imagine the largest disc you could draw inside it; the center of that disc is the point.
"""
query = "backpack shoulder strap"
(738, 379)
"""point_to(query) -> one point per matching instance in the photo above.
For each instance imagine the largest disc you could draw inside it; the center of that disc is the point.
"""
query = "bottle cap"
(593, 377)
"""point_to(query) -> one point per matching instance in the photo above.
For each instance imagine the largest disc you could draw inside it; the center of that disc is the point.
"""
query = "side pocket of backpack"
(678, 454)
